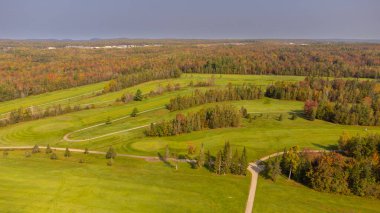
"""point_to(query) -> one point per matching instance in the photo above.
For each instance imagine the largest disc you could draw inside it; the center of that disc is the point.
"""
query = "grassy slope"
(46, 98)
(38, 184)
(263, 136)
(49, 97)
(289, 196)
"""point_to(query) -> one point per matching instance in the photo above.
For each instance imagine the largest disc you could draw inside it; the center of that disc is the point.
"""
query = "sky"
(218, 19)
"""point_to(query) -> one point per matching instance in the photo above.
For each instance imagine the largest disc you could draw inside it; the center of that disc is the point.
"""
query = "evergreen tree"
(86, 151)
(235, 163)
(280, 118)
(167, 153)
(134, 113)
(218, 163)
(48, 149)
(67, 152)
(243, 162)
(274, 168)
(138, 96)
(35, 149)
(208, 162)
(244, 112)
(111, 153)
(201, 158)
(227, 157)
(108, 121)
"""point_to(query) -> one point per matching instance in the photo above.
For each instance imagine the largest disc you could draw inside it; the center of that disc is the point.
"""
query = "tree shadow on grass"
(328, 147)
(167, 163)
(299, 114)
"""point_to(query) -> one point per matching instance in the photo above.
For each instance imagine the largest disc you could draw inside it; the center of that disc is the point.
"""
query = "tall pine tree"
(243, 162)
(201, 158)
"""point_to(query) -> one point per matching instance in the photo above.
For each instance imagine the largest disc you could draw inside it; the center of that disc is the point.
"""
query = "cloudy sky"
(85, 19)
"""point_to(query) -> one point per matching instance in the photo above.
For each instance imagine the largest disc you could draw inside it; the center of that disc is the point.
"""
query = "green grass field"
(290, 196)
(40, 184)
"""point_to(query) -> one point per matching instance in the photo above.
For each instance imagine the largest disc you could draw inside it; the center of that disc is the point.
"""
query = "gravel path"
(67, 136)
(255, 168)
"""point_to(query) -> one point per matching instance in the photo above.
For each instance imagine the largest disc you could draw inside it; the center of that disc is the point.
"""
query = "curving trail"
(255, 168)
(67, 136)
(147, 158)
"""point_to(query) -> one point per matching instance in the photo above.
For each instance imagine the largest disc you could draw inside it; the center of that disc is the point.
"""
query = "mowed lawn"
(38, 184)
(289, 196)
(86, 94)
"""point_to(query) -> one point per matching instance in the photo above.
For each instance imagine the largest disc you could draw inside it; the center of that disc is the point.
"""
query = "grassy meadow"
(44, 185)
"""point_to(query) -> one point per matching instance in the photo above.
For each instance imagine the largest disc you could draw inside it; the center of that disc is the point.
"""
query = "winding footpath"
(254, 167)
(79, 150)
(67, 136)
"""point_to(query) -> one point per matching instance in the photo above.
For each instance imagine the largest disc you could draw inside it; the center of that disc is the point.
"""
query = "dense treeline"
(34, 113)
(350, 102)
(230, 93)
(344, 113)
(318, 89)
(26, 70)
(219, 116)
(338, 60)
(355, 171)
(133, 79)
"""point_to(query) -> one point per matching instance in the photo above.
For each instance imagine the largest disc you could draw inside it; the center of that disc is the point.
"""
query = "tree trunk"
(290, 172)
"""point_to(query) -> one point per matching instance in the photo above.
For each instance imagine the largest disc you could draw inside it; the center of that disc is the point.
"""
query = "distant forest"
(30, 67)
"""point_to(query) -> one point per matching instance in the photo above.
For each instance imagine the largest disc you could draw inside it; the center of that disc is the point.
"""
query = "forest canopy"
(30, 68)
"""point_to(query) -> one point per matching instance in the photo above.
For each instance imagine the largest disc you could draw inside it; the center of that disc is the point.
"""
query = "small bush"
(111, 153)
(28, 154)
(108, 121)
(81, 160)
(53, 156)
(67, 153)
(48, 149)
(134, 112)
(110, 162)
(35, 149)
(191, 149)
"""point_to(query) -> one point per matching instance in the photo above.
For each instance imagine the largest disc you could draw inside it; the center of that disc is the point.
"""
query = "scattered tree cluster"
(229, 162)
(208, 83)
(354, 171)
(128, 97)
(230, 93)
(168, 88)
(219, 116)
